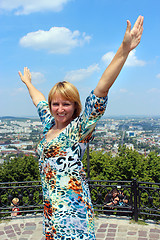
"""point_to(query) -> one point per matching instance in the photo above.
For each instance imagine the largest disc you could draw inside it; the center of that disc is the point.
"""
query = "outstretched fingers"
(27, 71)
(26, 77)
(139, 23)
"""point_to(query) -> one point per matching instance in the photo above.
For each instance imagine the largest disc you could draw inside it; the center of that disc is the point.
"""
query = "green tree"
(153, 167)
(126, 165)
(129, 164)
(17, 169)
(99, 165)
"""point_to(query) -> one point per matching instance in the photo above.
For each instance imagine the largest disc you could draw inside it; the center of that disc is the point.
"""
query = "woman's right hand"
(26, 78)
(35, 94)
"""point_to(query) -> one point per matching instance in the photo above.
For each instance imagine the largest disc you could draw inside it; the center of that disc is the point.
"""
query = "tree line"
(126, 165)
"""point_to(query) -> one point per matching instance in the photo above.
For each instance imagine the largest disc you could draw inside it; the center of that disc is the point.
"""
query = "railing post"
(88, 162)
(135, 193)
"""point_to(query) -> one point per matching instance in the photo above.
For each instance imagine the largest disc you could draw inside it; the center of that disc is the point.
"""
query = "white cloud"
(107, 58)
(17, 91)
(123, 90)
(131, 61)
(154, 90)
(158, 75)
(81, 74)
(37, 78)
(56, 40)
(21, 7)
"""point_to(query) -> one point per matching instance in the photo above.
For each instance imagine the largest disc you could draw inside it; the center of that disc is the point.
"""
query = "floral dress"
(68, 211)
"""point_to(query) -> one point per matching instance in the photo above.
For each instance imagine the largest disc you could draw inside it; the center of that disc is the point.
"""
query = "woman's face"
(62, 110)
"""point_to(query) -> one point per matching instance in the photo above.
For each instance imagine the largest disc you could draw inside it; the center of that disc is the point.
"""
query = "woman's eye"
(54, 104)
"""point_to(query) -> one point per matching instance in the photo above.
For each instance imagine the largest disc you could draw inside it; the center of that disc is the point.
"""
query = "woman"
(68, 212)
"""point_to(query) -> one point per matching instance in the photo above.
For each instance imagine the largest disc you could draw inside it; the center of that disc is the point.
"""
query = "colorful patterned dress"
(68, 211)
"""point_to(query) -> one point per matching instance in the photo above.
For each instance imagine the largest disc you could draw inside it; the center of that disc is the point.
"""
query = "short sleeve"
(94, 110)
(45, 115)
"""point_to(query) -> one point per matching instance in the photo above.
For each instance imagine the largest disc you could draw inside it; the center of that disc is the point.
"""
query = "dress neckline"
(48, 142)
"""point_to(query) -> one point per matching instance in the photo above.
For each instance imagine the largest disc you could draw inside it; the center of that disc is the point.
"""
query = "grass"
(140, 222)
(4, 220)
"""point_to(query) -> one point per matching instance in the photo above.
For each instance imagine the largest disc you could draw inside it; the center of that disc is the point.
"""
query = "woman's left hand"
(132, 36)
(131, 40)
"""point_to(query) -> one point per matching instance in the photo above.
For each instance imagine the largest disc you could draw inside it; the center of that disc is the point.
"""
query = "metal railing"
(29, 194)
(143, 198)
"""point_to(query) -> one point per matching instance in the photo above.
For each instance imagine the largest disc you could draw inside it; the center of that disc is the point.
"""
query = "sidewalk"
(107, 228)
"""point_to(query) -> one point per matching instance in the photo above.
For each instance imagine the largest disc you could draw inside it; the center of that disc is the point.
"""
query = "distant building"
(129, 145)
(1, 161)
(130, 133)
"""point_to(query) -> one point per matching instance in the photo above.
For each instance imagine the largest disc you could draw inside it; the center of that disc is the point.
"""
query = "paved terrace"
(107, 228)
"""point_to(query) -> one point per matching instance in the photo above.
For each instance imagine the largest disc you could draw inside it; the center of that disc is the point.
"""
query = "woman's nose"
(60, 108)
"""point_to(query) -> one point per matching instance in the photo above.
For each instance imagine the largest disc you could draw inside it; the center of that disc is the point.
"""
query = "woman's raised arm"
(131, 40)
(35, 94)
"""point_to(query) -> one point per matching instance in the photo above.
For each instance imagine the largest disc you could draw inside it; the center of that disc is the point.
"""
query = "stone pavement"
(107, 228)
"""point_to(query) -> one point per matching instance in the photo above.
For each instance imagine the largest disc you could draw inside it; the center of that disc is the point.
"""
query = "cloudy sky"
(75, 40)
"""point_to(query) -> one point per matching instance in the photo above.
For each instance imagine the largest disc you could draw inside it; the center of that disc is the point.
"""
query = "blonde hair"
(69, 92)
(15, 201)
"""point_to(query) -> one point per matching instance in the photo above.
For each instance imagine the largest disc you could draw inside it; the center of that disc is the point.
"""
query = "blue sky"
(75, 40)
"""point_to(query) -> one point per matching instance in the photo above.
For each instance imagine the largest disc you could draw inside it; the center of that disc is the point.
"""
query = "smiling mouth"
(61, 115)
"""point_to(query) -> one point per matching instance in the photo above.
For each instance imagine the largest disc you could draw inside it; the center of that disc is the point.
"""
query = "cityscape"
(21, 135)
